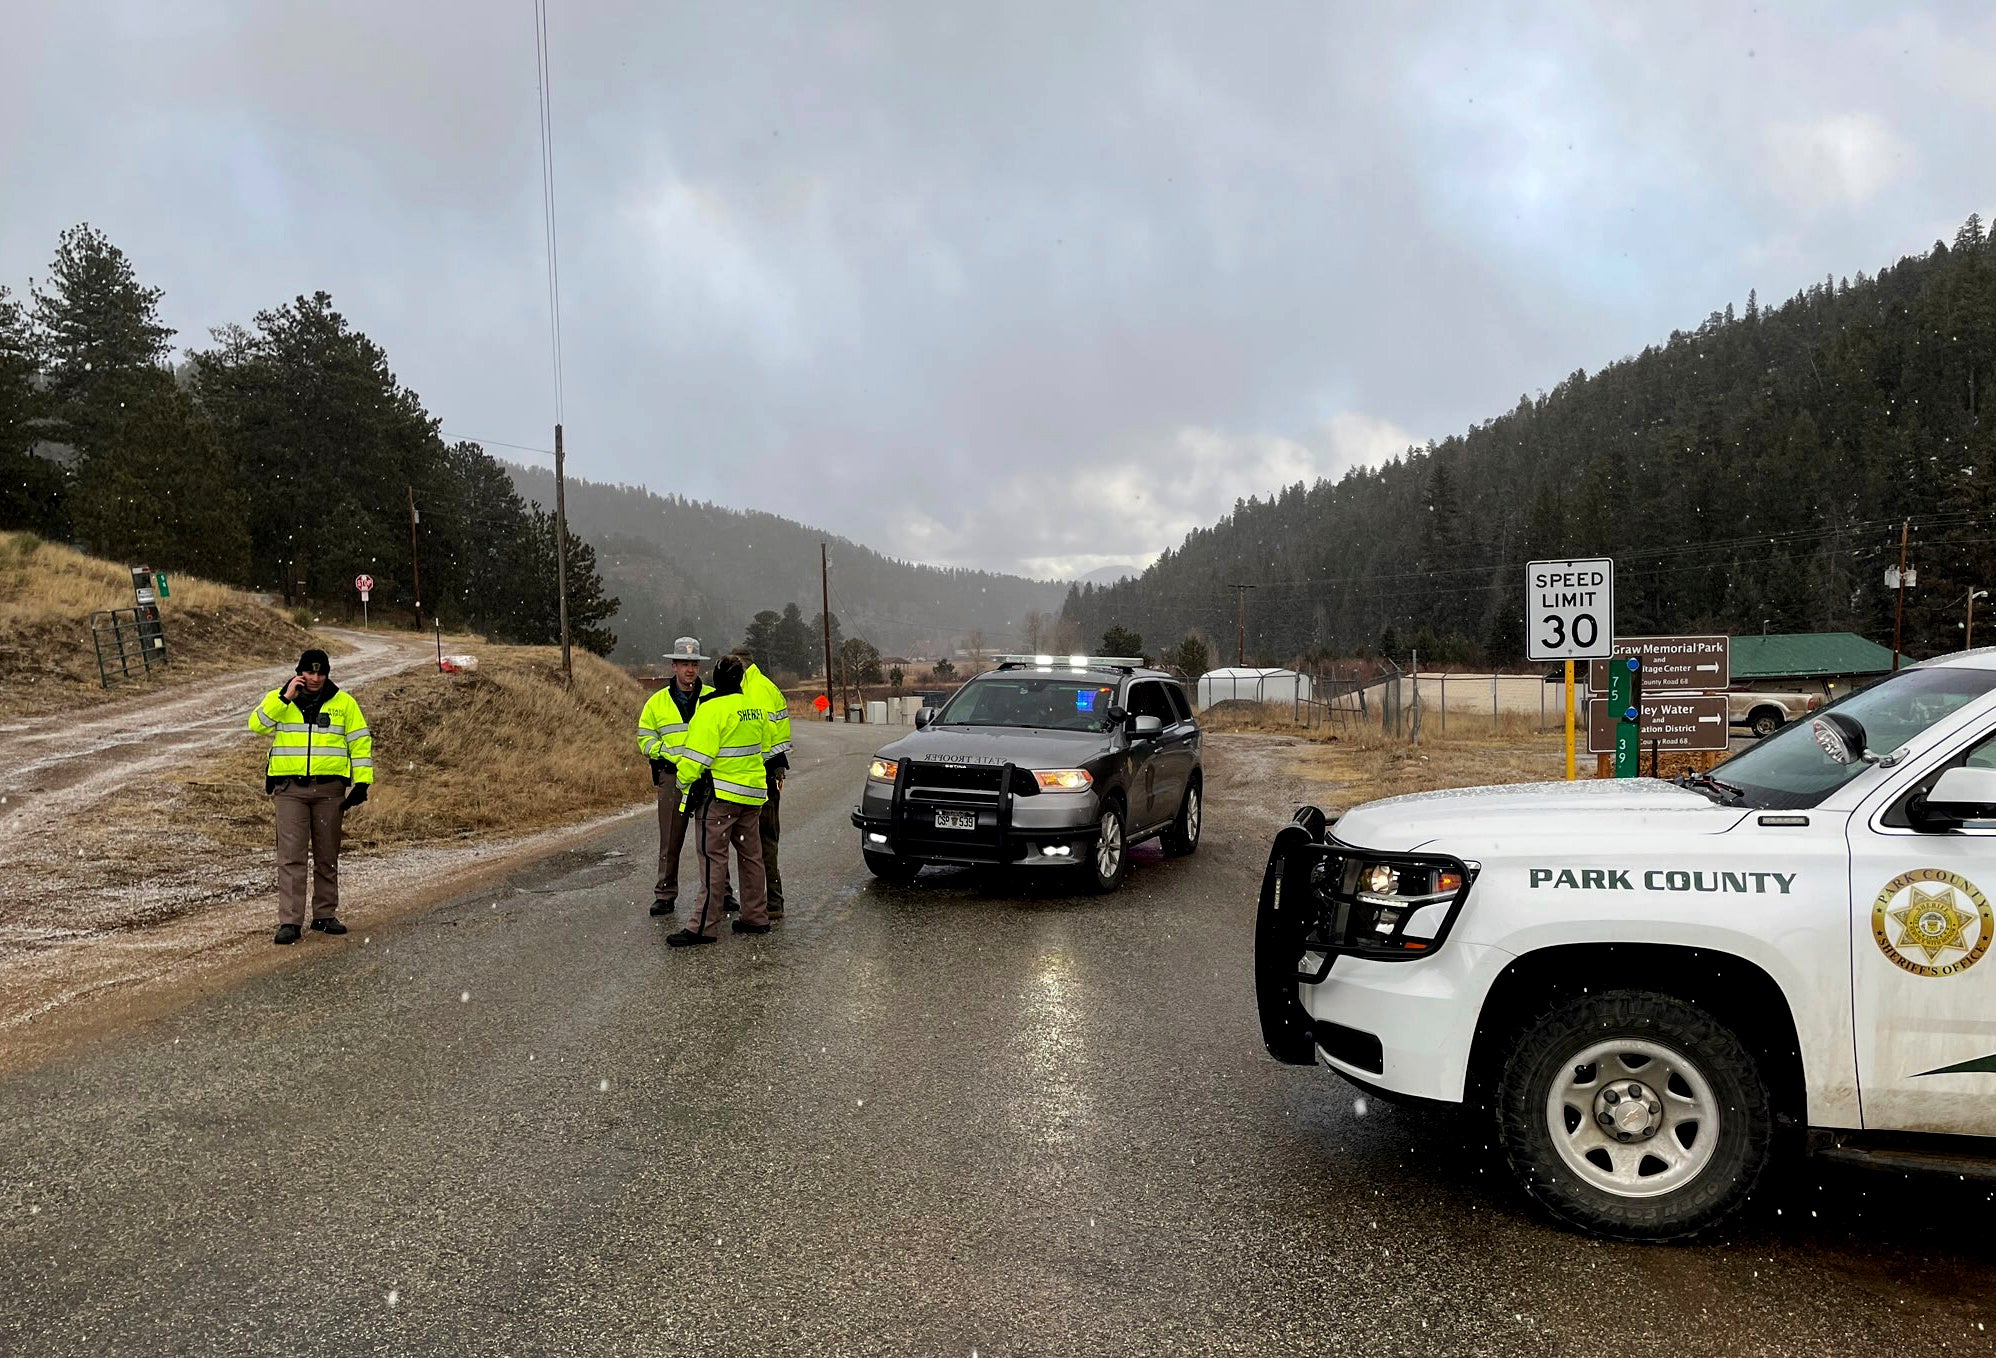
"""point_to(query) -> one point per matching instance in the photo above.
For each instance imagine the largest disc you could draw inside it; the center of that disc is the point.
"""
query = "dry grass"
(47, 660)
(502, 750)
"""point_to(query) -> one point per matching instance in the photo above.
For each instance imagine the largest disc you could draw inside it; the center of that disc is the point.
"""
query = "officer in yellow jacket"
(776, 765)
(661, 735)
(321, 766)
(721, 779)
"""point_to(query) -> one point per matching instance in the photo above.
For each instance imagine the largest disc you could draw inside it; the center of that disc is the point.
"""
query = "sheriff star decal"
(1932, 922)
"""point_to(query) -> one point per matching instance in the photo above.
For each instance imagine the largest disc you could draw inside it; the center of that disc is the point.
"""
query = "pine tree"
(32, 489)
(97, 337)
(162, 493)
(795, 648)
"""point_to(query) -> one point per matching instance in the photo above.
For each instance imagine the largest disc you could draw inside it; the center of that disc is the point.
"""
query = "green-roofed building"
(1808, 655)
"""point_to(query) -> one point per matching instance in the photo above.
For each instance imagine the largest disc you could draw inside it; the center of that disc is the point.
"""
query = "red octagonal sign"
(363, 583)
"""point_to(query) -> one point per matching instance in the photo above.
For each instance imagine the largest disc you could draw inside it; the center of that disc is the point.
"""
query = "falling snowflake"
(464, 997)
(1360, 1107)
(603, 1087)
(394, 1297)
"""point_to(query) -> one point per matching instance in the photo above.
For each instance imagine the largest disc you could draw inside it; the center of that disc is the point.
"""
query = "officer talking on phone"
(321, 766)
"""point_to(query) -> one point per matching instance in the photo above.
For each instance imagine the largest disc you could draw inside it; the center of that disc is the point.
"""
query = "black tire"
(1764, 722)
(1183, 836)
(890, 867)
(1104, 871)
(1705, 1076)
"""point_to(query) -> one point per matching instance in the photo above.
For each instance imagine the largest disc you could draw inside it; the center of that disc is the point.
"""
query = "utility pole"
(1968, 627)
(825, 579)
(1899, 612)
(561, 552)
(415, 567)
(1240, 657)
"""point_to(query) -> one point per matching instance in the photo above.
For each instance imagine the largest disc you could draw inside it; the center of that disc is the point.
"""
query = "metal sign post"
(1569, 616)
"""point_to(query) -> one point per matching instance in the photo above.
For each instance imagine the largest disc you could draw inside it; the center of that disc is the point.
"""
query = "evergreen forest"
(1751, 475)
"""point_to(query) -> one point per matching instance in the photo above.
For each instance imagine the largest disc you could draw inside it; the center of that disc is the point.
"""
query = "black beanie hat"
(314, 661)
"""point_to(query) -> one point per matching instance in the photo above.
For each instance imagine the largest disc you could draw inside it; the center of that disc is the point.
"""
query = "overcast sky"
(1028, 287)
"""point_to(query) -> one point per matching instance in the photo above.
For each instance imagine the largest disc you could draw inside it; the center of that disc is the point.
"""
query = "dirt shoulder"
(135, 843)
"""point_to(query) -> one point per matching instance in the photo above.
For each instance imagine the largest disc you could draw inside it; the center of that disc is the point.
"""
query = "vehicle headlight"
(1064, 780)
(1381, 907)
(882, 770)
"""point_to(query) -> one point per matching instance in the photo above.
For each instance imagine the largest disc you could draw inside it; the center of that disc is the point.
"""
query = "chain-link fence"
(1346, 696)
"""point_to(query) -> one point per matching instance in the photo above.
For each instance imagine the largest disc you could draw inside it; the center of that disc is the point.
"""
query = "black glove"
(355, 796)
(658, 768)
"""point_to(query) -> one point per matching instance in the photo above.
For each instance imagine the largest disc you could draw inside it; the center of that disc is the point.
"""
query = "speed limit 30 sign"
(1570, 609)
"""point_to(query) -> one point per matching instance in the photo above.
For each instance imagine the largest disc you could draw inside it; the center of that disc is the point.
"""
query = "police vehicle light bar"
(1073, 662)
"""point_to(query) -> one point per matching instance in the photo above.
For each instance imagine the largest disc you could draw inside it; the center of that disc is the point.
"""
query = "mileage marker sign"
(1570, 609)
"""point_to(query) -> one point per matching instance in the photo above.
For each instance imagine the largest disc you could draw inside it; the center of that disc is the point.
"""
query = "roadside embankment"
(49, 664)
(111, 888)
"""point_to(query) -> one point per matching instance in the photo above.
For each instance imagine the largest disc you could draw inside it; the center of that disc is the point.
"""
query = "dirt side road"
(86, 902)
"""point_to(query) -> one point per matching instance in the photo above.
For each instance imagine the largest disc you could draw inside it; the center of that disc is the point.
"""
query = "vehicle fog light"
(877, 839)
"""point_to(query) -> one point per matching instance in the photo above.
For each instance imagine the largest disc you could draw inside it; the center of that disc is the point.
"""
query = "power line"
(496, 443)
(544, 83)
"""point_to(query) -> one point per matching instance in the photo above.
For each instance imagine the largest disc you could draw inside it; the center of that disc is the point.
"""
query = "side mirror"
(1963, 794)
(1143, 728)
(1841, 736)
(923, 716)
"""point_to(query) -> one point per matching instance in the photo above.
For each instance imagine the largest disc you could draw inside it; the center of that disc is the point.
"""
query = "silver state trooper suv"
(1655, 988)
(1040, 763)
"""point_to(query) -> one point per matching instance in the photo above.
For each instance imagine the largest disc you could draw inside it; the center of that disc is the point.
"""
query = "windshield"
(1032, 700)
(1789, 769)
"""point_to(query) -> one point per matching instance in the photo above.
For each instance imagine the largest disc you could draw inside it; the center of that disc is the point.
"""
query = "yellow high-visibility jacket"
(726, 739)
(660, 730)
(335, 744)
(775, 710)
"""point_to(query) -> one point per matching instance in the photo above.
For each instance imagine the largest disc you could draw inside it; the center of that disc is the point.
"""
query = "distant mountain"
(1109, 575)
(1753, 473)
(683, 567)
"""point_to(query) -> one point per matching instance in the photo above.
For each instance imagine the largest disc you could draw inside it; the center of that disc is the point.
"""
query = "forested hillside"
(1751, 473)
(284, 457)
(682, 566)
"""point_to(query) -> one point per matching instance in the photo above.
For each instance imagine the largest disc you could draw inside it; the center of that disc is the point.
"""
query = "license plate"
(956, 820)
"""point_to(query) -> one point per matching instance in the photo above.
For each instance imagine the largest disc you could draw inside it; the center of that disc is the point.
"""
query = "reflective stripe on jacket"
(660, 731)
(726, 740)
(335, 745)
(775, 709)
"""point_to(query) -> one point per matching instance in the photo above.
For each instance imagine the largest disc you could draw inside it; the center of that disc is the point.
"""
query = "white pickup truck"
(1652, 989)
(1765, 711)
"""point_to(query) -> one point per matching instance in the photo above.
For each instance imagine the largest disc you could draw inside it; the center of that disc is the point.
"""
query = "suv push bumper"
(1005, 828)
(1402, 1027)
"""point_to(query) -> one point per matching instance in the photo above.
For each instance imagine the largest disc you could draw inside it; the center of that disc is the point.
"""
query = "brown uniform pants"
(672, 823)
(725, 825)
(308, 817)
(672, 827)
(772, 830)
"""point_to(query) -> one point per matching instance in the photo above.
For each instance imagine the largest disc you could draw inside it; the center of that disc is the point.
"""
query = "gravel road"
(971, 1115)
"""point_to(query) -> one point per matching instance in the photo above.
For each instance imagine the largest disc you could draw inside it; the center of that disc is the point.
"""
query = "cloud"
(1840, 160)
(935, 280)
(1126, 509)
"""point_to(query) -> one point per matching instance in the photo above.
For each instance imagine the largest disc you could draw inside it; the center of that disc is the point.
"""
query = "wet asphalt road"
(968, 1116)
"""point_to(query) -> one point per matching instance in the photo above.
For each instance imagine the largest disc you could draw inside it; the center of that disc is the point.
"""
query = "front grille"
(926, 775)
(958, 777)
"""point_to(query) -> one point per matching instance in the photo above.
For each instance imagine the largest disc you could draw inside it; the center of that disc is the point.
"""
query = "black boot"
(661, 907)
(286, 933)
(328, 924)
(742, 926)
(686, 938)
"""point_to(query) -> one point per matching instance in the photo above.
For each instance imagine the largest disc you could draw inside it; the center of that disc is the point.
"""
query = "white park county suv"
(1656, 987)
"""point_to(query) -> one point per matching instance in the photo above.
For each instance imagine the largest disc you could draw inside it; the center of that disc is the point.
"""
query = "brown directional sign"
(1689, 722)
(1672, 664)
